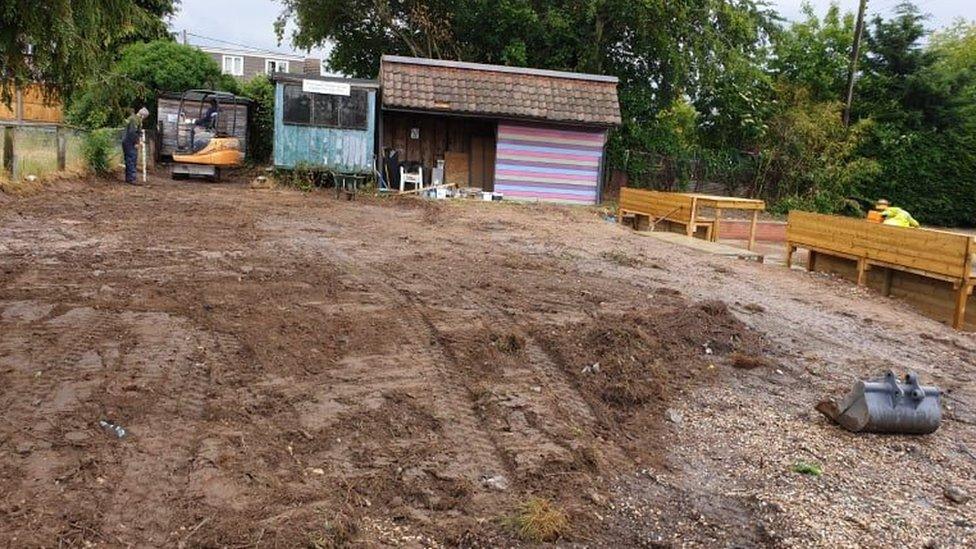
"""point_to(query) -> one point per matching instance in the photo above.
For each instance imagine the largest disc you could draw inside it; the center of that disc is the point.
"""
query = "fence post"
(8, 150)
(62, 148)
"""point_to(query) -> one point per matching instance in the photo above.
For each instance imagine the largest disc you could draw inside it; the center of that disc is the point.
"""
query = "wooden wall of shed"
(342, 150)
(438, 134)
(33, 107)
(933, 298)
(167, 127)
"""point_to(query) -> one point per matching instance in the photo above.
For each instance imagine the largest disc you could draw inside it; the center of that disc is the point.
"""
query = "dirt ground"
(293, 370)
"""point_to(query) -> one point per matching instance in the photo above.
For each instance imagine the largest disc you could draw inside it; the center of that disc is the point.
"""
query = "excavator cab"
(206, 135)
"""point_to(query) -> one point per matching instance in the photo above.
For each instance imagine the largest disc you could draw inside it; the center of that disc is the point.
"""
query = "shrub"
(303, 177)
(134, 80)
(98, 149)
(261, 130)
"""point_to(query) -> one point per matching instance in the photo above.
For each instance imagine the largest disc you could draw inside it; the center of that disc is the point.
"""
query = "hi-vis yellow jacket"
(898, 217)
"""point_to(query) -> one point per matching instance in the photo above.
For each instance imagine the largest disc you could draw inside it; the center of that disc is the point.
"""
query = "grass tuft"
(805, 468)
(539, 520)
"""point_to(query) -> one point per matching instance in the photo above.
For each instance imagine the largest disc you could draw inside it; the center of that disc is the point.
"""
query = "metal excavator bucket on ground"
(888, 405)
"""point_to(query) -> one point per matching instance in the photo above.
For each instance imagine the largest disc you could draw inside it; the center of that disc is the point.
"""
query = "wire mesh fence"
(40, 150)
(35, 151)
(727, 174)
(74, 157)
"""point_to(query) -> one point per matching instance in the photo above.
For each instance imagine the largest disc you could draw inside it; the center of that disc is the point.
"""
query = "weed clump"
(539, 520)
(337, 533)
(804, 468)
(509, 344)
(97, 149)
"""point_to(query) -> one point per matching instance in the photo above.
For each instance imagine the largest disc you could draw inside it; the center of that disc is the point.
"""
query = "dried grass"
(539, 520)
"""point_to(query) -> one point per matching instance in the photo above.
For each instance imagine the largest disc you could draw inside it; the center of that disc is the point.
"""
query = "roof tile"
(483, 91)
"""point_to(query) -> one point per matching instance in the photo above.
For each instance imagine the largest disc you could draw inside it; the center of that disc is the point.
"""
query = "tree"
(141, 72)
(925, 133)
(955, 69)
(63, 42)
(896, 87)
(708, 52)
(810, 160)
(815, 53)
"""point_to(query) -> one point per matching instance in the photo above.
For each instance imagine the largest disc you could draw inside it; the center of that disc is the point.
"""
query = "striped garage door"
(548, 164)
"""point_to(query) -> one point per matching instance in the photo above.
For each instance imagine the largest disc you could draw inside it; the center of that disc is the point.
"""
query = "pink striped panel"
(595, 138)
(548, 164)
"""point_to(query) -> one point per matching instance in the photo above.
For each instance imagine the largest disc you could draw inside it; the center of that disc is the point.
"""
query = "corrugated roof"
(498, 91)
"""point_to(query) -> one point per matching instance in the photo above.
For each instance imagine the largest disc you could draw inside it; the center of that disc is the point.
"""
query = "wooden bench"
(658, 206)
(935, 254)
(685, 209)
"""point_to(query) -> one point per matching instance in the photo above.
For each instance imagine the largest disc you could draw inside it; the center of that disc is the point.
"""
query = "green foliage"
(68, 41)
(809, 158)
(98, 149)
(261, 128)
(815, 53)
(71, 42)
(141, 72)
(805, 468)
(303, 177)
(931, 173)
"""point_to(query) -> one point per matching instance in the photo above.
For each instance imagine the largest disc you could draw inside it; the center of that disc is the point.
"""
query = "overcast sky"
(250, 22)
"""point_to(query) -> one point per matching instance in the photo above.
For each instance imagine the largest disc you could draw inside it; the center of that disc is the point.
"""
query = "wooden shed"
(167, 114)
(325, 123)
(528, 134)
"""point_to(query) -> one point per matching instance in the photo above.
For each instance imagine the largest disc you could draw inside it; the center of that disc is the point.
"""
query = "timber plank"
(935, 252)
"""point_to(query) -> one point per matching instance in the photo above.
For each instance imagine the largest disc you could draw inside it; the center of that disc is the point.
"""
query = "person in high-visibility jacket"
(874, 216)
(898, 217)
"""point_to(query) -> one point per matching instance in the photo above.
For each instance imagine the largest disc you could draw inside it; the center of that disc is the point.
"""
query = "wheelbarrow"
(888, 405)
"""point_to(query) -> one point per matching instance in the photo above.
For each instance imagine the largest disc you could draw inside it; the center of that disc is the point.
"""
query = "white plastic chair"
(416, 178)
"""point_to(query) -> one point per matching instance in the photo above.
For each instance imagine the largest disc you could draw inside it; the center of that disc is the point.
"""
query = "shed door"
(483, 162)
(546, 163)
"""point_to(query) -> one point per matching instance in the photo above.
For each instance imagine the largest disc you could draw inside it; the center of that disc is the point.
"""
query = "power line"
(244, 46)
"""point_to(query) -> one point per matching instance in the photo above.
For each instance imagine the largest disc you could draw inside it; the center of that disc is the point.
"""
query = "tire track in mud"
(561, 413)
(77, 333)
(167, 359)
(457, 404)
(61, 397)
(453, 403)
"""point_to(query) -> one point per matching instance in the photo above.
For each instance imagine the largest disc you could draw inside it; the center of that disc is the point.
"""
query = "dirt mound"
(630, 365)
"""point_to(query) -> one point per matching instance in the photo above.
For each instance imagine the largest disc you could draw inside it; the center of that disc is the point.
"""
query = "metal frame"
(204, 96)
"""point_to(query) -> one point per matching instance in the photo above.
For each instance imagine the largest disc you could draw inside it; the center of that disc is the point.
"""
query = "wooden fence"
(30, 105)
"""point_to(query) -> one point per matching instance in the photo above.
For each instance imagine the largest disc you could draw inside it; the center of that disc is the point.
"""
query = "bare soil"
(293, 370)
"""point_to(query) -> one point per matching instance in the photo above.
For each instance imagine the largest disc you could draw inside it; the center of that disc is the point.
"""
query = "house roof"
(259, 54)
(498, 91)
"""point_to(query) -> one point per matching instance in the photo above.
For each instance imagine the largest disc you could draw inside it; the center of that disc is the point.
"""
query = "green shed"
(325, 123)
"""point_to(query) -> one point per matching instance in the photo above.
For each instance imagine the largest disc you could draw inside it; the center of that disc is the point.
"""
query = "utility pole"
(185, 41)
(855, 50)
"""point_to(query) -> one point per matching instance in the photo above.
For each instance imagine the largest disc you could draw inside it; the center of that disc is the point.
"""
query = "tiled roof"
(498, 91)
